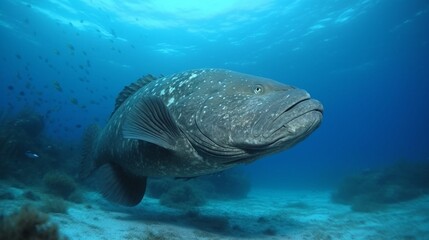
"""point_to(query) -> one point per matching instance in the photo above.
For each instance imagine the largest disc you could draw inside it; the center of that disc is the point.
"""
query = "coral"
(373, 190)
(59, 184)
(183, 197)
(28, 223)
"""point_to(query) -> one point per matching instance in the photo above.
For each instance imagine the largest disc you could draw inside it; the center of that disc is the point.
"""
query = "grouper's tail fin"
(87, 165)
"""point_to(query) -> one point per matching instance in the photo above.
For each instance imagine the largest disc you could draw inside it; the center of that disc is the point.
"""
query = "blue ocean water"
(63, 63)
(366, 61)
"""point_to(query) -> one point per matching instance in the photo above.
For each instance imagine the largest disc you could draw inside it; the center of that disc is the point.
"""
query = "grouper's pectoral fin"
(151, 121)
(120, 187)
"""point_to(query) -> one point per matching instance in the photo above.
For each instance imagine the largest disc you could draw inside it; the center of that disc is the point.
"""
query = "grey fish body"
(194, 123)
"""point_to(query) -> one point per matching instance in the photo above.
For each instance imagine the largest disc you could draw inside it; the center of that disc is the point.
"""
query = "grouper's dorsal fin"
(152, 122)
(131, 89)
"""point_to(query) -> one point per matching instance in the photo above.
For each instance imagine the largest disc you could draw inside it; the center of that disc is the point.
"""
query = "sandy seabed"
(264, 214)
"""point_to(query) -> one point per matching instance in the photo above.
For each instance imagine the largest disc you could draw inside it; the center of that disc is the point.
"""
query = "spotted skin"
(224, 118)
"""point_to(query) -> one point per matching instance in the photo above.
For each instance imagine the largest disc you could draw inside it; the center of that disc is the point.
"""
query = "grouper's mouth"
(289, 127)
(286, 118)
(295, 124)
(304, 116)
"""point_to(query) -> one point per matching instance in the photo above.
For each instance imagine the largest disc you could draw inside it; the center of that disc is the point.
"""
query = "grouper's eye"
(258, 89)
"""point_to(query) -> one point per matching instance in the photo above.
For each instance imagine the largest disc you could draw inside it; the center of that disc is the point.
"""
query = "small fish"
(57, 86)
(70, 46)
(74, 101)
(31, 154)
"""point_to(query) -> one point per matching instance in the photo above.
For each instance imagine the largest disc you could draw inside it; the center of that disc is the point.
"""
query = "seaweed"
(28, 223)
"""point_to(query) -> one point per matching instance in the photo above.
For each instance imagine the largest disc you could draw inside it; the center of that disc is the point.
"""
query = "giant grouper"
(193, 123)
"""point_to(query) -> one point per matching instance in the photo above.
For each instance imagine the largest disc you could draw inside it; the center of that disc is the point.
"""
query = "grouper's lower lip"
(304, 124)
(296, 130)
(295, 117)
(306, 109)
(290, 133)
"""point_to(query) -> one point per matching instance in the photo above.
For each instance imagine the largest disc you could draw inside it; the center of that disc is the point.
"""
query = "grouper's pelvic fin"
(151, 121)
(109, 178)
(131, 89)
(118, 186)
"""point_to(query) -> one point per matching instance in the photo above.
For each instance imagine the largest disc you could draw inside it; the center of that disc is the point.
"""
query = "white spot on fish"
(183, 82)
(171, 89)
(162, 92)
(170, 101)
(193, 75)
